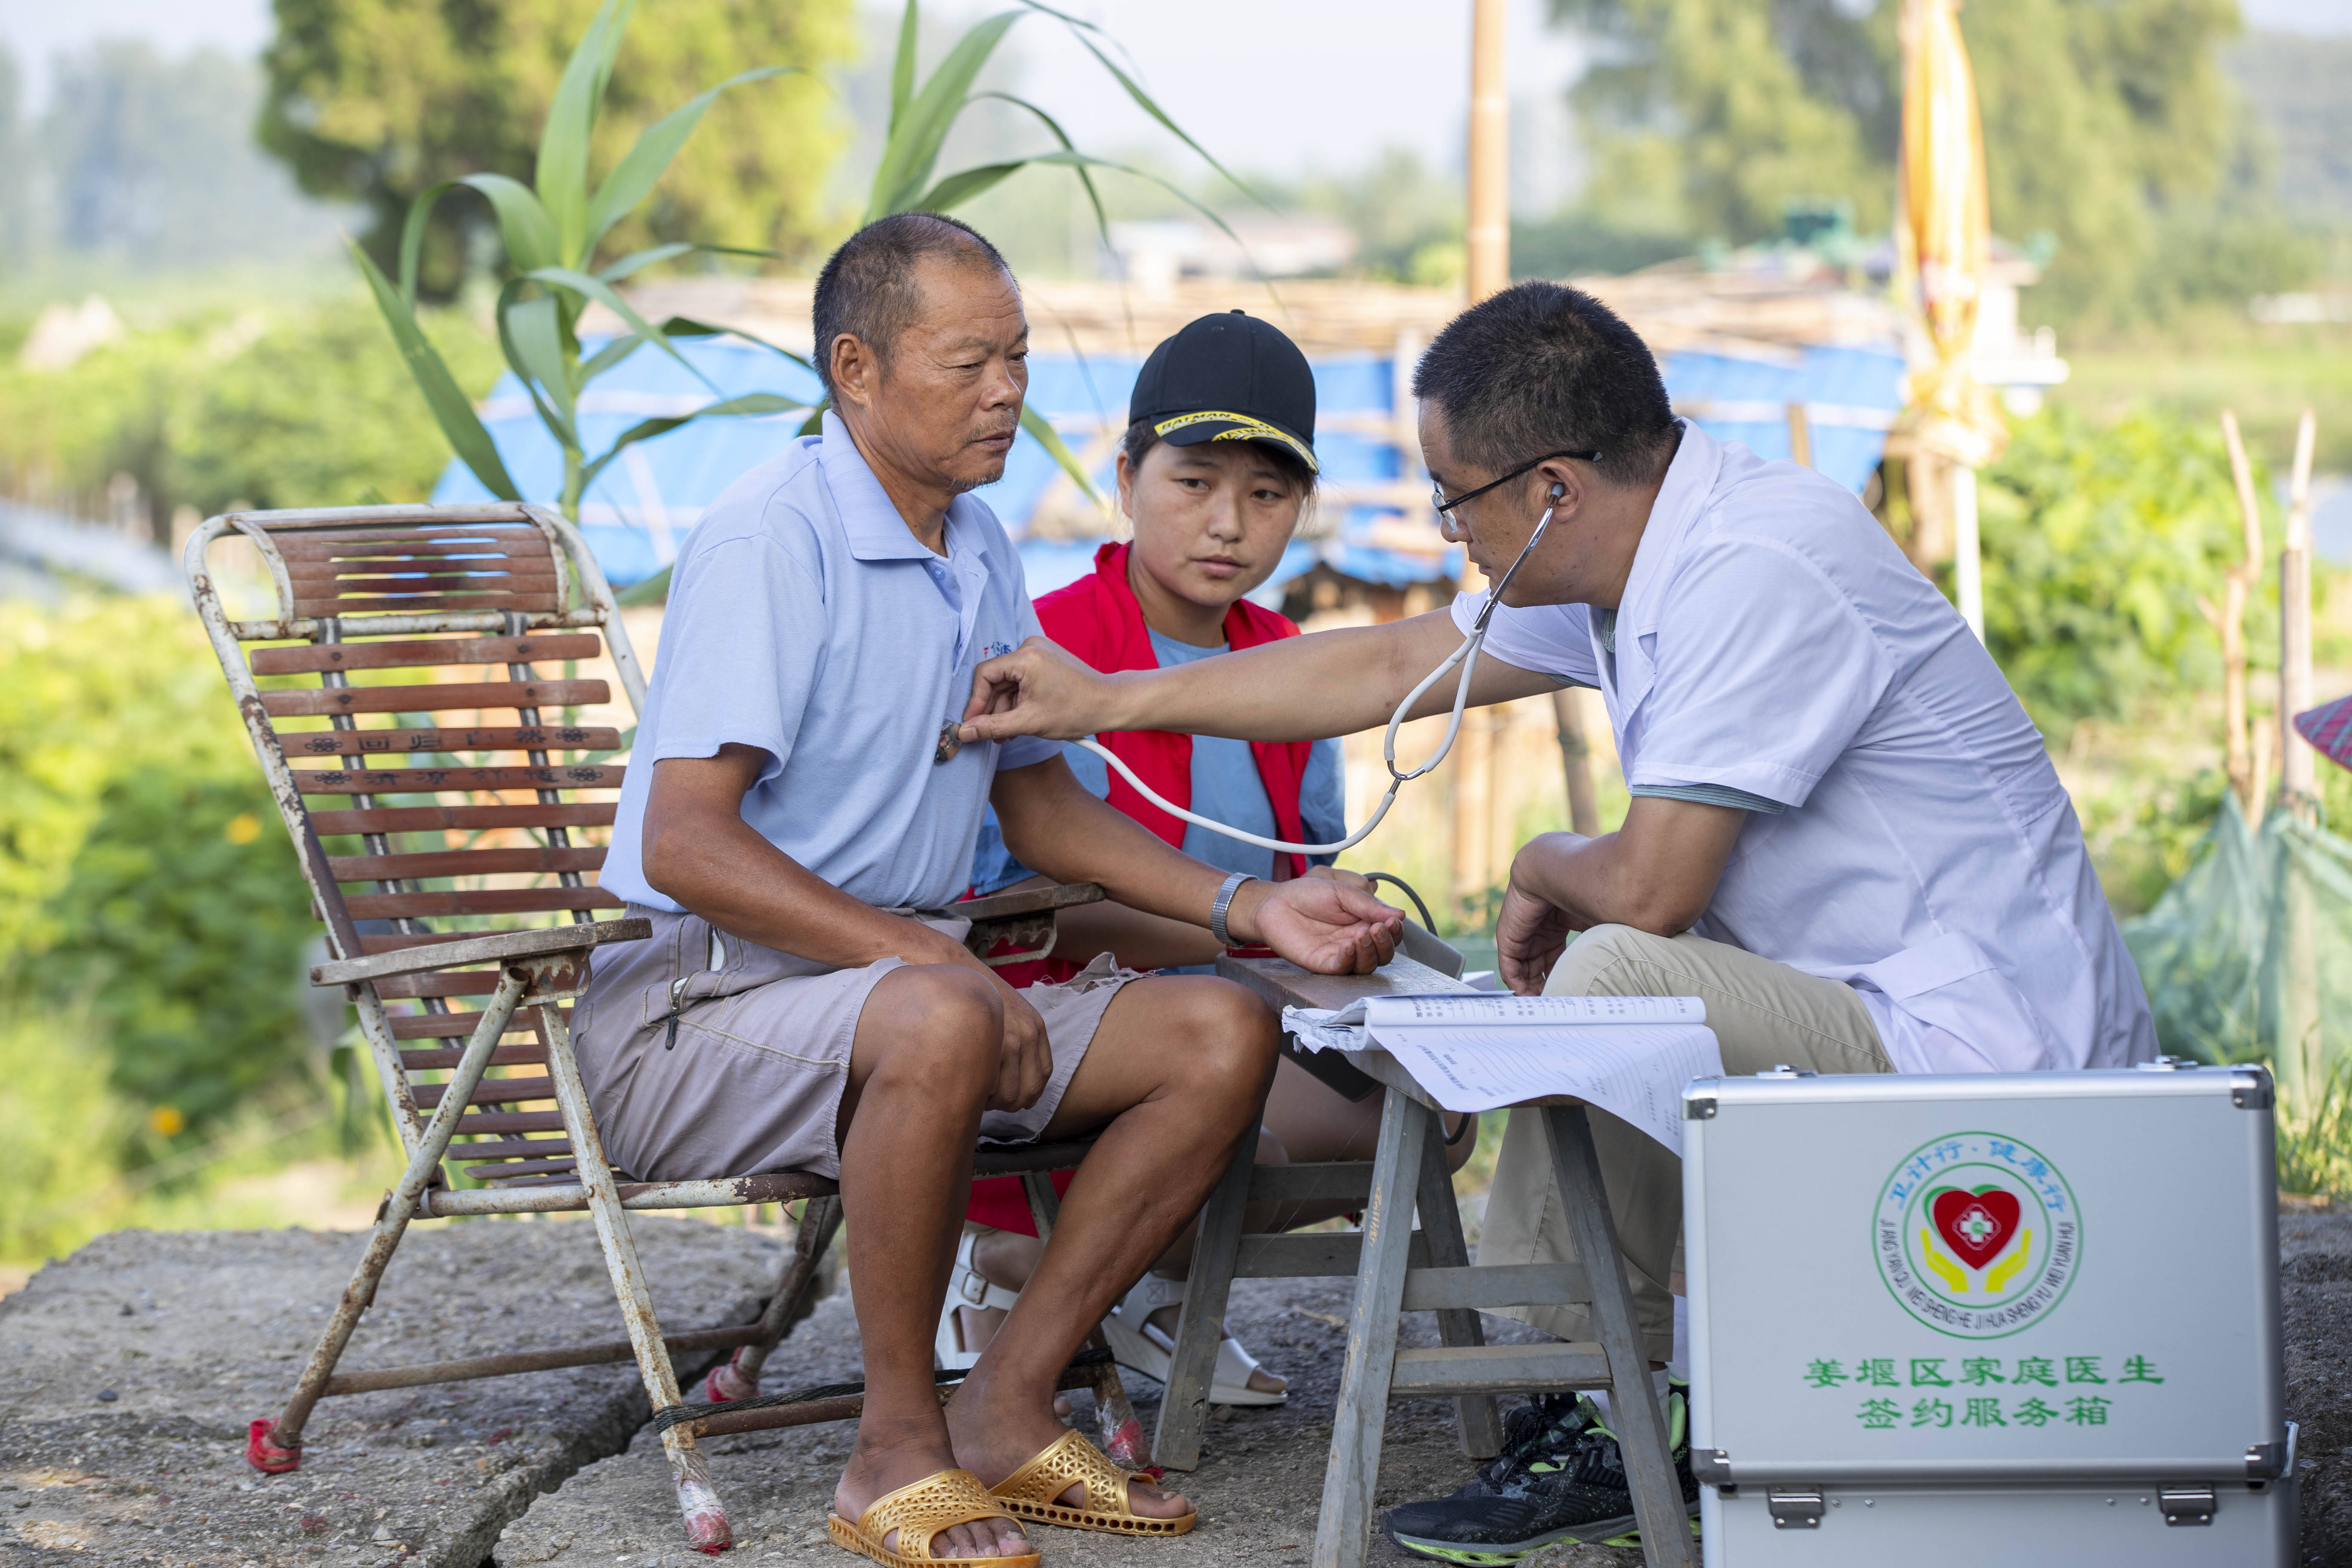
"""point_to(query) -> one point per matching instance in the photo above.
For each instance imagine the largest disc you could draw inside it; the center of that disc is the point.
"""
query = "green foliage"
(377, 101)
(2097, 544)
(145, 883)
(307, 407)
(2109, 124)
(60, 1126)
(146, 163)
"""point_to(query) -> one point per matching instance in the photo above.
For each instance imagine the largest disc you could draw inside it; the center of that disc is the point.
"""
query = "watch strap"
(1223, 903)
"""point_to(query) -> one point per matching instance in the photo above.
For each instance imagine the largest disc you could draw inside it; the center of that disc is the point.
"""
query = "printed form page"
(1631, 1055)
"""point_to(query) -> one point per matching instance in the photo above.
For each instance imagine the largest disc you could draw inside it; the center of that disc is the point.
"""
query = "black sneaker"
(1564, 1482)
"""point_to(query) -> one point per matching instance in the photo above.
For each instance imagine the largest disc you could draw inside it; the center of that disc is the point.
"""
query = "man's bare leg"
(1305, 1120)
(1172, 1083)
(920, 1069)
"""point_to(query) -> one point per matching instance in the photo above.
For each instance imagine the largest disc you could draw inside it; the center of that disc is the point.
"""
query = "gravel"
(197, 1334)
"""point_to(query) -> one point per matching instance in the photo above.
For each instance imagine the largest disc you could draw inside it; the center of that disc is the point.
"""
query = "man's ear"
(1560, 486)
(855, 371)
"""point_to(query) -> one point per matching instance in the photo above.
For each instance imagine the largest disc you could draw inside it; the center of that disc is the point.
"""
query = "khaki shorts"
(752, 1081)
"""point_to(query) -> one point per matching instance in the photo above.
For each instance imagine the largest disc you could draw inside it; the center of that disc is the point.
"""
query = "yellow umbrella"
(1943, 236)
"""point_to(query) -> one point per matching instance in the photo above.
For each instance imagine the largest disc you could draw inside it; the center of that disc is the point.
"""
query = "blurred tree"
(378, 100)
(15, 159)
(151, 160)
(2101, 117)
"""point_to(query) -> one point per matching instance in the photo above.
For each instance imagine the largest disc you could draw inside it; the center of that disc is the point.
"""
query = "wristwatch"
(1224, 901)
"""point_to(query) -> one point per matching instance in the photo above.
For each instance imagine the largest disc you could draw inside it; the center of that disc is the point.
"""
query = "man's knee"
(1609, 961)
(939, 1023)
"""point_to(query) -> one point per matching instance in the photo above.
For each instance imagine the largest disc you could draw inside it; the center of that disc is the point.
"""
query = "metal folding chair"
(463, 804)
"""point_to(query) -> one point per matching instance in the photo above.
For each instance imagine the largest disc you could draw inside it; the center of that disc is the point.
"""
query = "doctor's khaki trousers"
(1763, 1015)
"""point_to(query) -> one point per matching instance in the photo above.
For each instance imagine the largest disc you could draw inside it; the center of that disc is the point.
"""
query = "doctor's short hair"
(867, 289)
(1542, 368)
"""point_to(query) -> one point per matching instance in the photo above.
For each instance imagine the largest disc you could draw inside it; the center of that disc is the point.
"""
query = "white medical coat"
(1772, 639)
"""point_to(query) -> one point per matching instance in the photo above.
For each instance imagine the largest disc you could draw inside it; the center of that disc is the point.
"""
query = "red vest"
(1097, 618)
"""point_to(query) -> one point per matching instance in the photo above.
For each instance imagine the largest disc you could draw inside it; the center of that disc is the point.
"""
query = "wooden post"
(2298, 780)
(1488, 266)
(1967, 578)
(1800, 435)
(2237, 759)
(1576, 761)
(1488, 237)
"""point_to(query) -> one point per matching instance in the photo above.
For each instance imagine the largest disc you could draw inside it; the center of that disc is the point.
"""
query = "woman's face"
(1211, 521)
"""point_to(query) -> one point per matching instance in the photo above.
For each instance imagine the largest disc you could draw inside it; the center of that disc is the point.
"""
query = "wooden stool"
(1400, 1269)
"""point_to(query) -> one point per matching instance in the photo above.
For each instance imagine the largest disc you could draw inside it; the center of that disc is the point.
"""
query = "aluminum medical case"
(2025, 1319)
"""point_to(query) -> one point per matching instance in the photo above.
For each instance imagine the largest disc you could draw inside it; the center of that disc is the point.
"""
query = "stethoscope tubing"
(1466, 656)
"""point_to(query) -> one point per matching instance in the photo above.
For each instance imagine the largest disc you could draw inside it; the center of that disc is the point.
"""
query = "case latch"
(1794, 1508)
(2186, 1505)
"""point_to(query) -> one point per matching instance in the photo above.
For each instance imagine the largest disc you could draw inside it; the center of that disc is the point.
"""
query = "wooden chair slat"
(491, 1091)
(448, 1026)
(462, 863)
(512, 1149)
(425, 780)
(495, 1121)
(426, 605)
(478, 901)
(488, 738)
(387, 578)
(440, 697)
(396, 653)
(502, 1171)
(498, 570)
(445, 537)
(532, 1055)
(461, 818)
(450, 982)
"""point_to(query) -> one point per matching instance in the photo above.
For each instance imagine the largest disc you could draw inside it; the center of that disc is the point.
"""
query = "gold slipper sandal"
(1030, 1491)
(920, 1513)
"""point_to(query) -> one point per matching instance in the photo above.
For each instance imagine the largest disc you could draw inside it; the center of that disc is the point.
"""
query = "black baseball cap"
(1228, 377)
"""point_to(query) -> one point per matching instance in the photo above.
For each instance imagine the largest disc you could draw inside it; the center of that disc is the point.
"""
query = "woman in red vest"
(1216, 467)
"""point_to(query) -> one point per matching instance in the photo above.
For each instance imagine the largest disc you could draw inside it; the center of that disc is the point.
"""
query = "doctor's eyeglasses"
(1437, 491)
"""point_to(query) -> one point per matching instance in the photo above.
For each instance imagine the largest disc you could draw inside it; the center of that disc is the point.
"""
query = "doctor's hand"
(1529, 936)
(1037, 689)
(1317, 923)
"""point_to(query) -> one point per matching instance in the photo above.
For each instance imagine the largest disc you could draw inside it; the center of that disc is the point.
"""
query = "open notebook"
(1628, 1055)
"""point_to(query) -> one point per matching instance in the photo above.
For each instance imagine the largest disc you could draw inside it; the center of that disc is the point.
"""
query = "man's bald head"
(869, 290)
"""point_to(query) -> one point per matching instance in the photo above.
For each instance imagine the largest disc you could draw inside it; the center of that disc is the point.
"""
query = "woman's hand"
(1317, 922)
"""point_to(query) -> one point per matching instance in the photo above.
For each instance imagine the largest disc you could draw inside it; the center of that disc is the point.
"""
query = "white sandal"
(967, 1287)
(1139, 1343)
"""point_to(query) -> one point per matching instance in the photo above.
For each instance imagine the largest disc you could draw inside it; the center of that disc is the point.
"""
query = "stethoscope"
(1466, 656)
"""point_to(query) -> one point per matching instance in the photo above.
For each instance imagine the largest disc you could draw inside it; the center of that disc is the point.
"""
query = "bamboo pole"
(2237, 583)
(1487, 268)
(1576, 761)
(1487, 237)
(2298, 776)
(1800, 435)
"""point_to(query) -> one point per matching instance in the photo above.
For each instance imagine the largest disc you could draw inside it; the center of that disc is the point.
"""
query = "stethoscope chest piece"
(950, 743)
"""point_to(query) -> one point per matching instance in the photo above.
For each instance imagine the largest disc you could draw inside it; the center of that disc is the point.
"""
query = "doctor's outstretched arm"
(1299, 689)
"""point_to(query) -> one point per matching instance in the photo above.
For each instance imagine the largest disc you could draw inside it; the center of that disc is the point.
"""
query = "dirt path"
(195, 1334)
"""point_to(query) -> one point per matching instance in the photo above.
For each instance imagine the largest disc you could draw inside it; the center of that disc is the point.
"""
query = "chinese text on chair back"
(2035, 1312)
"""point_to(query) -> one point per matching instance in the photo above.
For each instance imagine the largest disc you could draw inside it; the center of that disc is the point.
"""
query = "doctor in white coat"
(1846, 834)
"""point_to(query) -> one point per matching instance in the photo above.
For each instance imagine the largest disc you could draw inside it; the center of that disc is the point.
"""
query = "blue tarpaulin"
(644, 504)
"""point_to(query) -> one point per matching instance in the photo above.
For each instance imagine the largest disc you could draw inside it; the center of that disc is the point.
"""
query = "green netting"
(2248, 956)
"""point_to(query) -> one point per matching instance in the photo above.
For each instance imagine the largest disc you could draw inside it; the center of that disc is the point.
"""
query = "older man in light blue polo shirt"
(797, 791)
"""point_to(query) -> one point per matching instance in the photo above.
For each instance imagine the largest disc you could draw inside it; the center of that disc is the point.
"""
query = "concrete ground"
(195, 1334)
